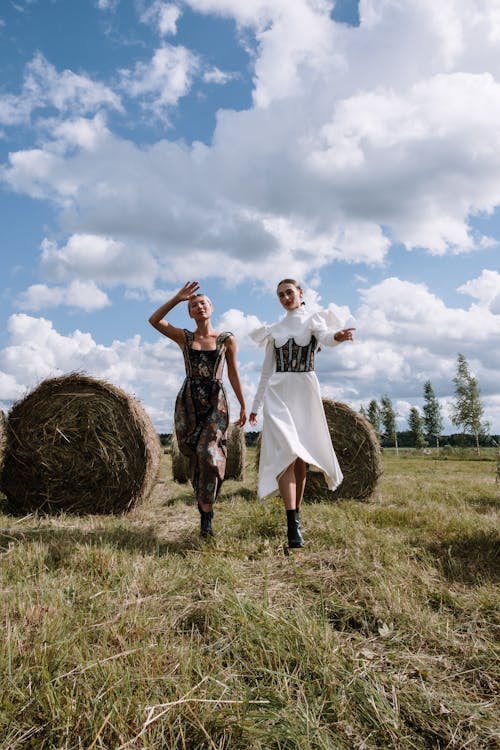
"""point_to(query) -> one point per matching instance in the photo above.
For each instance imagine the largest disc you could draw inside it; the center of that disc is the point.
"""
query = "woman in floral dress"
(201, 408)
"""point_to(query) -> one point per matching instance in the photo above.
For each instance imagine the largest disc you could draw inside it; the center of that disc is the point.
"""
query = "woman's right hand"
(187, 291)
(252, 418)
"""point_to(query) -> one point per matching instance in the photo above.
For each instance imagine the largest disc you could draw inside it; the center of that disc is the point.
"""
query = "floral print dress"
(202, 416)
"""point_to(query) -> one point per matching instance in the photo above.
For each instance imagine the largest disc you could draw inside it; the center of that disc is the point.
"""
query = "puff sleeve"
(325, 325)
(260, 335)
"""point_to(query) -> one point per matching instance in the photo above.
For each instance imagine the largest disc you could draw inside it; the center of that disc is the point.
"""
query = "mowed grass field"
(383, 632)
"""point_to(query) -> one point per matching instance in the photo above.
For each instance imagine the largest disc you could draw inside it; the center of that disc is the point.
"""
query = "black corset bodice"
(291, 357)
(203, 363)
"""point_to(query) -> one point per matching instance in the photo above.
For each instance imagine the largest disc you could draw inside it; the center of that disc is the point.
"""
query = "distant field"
(383, 632)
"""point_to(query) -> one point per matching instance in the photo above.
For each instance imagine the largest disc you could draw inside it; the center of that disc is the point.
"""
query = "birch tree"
(433, 418)
(373, 415)
(388, 419)
(467, 411)
(416, 425)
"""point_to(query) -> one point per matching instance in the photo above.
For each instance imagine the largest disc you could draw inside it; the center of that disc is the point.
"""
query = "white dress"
(294, 422)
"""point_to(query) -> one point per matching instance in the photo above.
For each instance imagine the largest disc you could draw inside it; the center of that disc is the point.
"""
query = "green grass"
(382, 632)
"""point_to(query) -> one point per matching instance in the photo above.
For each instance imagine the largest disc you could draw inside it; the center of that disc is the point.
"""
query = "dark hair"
(290, 281)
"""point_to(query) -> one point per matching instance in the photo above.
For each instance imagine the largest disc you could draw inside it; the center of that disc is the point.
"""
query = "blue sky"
(356, 147)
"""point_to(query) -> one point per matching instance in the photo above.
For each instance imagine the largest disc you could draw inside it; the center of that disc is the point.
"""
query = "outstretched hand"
(187, 291)
(344, 335)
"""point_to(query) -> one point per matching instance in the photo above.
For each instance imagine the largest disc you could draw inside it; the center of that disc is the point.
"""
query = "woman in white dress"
(294, 432)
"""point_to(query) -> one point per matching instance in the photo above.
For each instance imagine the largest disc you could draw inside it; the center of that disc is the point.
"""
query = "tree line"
(425, 427)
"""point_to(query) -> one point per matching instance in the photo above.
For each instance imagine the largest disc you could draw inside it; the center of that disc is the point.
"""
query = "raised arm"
(163, 326)
(234, 378)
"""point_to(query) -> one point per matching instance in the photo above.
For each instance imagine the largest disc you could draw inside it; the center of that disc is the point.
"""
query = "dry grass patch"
(128, 632)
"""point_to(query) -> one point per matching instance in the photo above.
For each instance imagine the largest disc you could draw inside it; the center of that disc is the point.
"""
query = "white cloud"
(336, 160)
(164, 80)
(240, 326)
(409, 312)
(80, 132)
(485, 288)
(89, 257)
(10, 390)
(107, 4)
(218, 77)
(405, 335)
(84, 295)
(37, 351)
(44, 86)
(294, 38)
(163, 16)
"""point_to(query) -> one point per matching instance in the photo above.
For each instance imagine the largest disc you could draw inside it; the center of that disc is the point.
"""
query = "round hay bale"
(180, 462)
(79, 445)
(235, 456)
(236, 453)
(358, 451)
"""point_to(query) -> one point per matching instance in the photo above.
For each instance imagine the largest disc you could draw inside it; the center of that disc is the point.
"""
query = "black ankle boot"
(205, 521)
(295, 538)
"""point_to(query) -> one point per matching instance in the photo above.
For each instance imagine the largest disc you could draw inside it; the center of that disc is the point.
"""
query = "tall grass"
(381, 633)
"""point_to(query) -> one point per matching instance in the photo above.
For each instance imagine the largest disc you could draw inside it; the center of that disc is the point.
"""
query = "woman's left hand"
(243, 418)
(344, 335)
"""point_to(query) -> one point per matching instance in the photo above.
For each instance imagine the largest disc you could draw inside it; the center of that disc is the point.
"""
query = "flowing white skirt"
(294, 426)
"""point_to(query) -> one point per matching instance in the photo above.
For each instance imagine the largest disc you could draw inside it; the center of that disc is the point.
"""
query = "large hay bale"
(236, 453)
(79, 445)
(358, 451)
(180, 462)
(235, 457)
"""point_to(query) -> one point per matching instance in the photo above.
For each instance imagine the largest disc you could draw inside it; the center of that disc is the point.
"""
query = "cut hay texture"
(236, 453)
(357, 447)
(358, 451)
(180, 462)
(79, 445)
(235, 459)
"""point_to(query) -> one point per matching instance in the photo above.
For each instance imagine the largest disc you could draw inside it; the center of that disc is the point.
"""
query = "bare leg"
(288, 487)
(300, 480)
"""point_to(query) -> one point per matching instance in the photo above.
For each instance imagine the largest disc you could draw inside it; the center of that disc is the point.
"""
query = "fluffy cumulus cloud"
(36, 350)
(335, 157)
(405, 335)
(358, 139)
(162, 16)
(485, 288)
(66, 91)
(88, 256)
(79, 294)
(162, 81)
